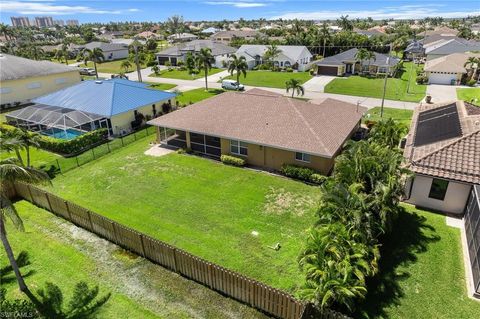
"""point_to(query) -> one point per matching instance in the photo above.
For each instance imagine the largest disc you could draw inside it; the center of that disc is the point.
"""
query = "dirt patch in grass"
(279, 202)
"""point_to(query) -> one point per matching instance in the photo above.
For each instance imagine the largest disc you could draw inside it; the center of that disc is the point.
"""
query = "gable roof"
(106, 46)
(265, 118)
(293, 52)
(455, 157)
(453, 46)
(349, 55)
(450, 63)
(106, 97)
(14, 67)
(237, 34)
(195, 46)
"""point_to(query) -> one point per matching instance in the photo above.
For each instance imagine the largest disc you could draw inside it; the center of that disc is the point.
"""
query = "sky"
(197, 10)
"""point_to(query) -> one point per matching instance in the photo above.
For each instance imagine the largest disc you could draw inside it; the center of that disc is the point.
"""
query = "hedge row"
(65, 147)
(302, 173)
(232, 160)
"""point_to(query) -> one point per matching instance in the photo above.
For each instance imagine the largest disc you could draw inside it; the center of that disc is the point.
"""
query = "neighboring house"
(442, 48)
(442, 31)
(443, 152)
(414, 50)
(127, 42)
(149, 35)
(112, 104)
(267, 129)
(369, 33)
(291, 56)
(346, 63)
(210, 30)
(448, 69)
(176, 53)
(111, 51)
(227, 36)
(182, 37)
(23, 79)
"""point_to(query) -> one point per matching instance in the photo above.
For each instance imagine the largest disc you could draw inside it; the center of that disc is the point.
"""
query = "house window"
(5, 90)
(34, 85)
(382, 69)
(302, 157)
(438, 189)
(365, 68)
(60, 81)
(239, 148)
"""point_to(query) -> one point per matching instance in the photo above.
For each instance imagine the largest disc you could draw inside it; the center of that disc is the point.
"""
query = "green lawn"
(422, 272)
(196, 95)
(373, 87)
(161, 86)
(184, 75)
(202, 206)
(111, 66)
(38, 157)
(271, 79)
(471, 95)
(399, 115)
(63, 254)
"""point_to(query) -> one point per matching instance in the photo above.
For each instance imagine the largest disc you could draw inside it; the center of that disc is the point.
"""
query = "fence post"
(143, 245)
(175, 260)
(68, 211)
(30, 192)
(48, 201)
(90, 220)
(58, 164)
(76, 158)
(115, 232)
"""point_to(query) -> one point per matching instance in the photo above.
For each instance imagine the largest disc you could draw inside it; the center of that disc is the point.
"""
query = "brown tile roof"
(270, 119)
(456, 158)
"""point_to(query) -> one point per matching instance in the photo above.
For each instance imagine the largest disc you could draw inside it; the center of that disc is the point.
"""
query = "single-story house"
(443, 31)
(267, 129)
(24, 79)
(291, 56)
(149, 35)
(346, 63)
(413, 50)
(210, 30)
(182, 37)
(127, 42)
(220, 52)
(446, 47)
(111, 51)
(448, 69)
(117, 104)
(443, 151)
(227, 36)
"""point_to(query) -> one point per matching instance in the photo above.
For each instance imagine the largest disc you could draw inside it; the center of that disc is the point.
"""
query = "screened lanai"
(56, 121)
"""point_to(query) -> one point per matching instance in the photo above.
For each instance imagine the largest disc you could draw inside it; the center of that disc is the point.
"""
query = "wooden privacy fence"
(256, 294)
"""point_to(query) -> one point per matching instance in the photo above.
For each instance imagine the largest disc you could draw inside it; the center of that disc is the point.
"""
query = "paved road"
(186, 85)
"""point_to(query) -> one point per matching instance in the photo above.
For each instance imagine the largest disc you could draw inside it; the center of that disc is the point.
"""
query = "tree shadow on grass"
(6, 273)
(410, 236)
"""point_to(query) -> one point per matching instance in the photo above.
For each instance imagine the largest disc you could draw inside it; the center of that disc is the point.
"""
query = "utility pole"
(385, 81)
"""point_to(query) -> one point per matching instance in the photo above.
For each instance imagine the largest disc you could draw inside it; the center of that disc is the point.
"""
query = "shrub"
(302, 173)
(471, 82)
(263, 67)
(289, 69)
(232, 160)
(422, 79)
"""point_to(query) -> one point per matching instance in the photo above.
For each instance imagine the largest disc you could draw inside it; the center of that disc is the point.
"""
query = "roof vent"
(98, 82)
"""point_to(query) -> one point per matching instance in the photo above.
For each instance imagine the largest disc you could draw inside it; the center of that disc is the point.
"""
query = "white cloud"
(49, 8)
(401, 12)
(243, 4)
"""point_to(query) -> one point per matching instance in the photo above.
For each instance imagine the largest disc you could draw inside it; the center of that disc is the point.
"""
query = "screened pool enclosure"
(56, 121)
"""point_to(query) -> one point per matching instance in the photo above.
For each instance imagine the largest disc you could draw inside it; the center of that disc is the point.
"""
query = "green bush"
(471, 82)
(289, 69)
(232, 160)
(302, 173)
(422, 79)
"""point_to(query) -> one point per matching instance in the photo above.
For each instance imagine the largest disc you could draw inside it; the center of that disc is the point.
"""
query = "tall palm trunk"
(8, 249)
(206, 75)
(19, 157)
(238, 76)
(96, 72)
(27, 149)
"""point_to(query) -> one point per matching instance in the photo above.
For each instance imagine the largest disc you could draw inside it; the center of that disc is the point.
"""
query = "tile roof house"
(227, 36)
(116, 100)
(347, 63)
(22, 79)
(265, 128)
(178, 52)
(448, 69)
(294, 56)
(443, 152)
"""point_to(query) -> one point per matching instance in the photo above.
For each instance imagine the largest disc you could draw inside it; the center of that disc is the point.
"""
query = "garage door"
(327, 70)
(441, 78)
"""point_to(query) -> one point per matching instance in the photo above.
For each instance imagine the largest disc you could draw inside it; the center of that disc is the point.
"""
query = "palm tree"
(363, 55)
(126, 65)
(175, 24)
(239, 65)
(190, 64)
(62, 53)
(156, 69)
(204, 59)
(271, 53)
(11, 143)
(472, 64)
(36, 52)
(27, 140)
(139, 58)
(325, 34)
(95, 55)
(296, 86)
(344, 23)
(11, 170)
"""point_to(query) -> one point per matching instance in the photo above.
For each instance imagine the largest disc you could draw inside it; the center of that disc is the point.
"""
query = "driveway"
(318, 83)
(442, 93)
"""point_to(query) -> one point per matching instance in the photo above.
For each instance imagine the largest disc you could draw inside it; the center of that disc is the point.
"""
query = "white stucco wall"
(454, 201)
(115, 55)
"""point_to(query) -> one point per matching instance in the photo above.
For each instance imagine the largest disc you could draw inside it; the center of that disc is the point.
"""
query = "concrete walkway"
(318, 83)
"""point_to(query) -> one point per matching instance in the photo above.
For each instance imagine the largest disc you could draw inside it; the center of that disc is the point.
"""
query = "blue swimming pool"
(64, 135)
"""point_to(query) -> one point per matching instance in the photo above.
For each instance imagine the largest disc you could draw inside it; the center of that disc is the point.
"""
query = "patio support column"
(187, 139)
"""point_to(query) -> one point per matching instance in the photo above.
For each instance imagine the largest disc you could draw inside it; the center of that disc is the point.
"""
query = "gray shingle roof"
(195, 46)
(14, 67)
(455, 46)
(106, 46)
(349, 55)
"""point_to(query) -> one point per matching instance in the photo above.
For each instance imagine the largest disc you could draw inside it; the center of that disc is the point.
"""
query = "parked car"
(232, 85)
(87, 71)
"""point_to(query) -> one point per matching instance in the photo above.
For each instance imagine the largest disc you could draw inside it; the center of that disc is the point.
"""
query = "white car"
(232, 85)
(87, 71)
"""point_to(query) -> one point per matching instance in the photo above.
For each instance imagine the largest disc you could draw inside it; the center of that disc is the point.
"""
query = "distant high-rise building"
(20, 21)
(43, 22)
(59, 22)
(72, 22)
